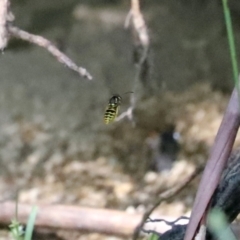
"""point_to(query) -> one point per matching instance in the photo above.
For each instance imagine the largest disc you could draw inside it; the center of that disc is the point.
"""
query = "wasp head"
(115, 99)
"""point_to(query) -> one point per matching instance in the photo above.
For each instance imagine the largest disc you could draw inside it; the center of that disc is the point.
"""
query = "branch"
(141, 49)
(139, 24)
(49, 46)
(3, 22)
(7, 30)
(127, 113)
(217, 161)
(83, 219)
(73, 218)
(164, 196)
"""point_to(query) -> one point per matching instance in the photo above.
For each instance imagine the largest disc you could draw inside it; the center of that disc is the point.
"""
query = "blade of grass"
(15, 227)
(231, 44)
(154, 237)
(18, 232)
(30, 224)
(218, 224)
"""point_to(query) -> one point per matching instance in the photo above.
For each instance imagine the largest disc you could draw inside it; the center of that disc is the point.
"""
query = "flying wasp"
(112, 109)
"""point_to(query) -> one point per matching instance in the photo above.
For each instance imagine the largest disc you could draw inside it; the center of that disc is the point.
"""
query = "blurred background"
(54, 145)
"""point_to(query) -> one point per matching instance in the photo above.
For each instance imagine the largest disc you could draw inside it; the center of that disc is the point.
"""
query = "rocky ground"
(54, 146)
(46, 170)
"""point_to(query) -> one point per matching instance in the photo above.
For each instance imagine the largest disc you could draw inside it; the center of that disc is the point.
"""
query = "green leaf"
(154, 237)
(30, 224)
(218, 224)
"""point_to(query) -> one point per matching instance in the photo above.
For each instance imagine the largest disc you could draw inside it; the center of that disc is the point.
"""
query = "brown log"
(74, 218)
(105, 221)
(83, 219)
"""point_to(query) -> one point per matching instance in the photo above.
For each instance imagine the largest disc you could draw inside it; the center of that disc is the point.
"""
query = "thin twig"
(172, 223)
(3, 22)
(127, 113)
(164, 196)
(128, 19)
(141, 48)
(139, 24)
(49, 46)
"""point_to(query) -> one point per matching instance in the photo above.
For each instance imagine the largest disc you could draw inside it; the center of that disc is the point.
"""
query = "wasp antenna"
(128, 92)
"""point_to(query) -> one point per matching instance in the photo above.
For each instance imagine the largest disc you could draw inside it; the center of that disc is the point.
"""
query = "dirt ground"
(104, 182)
(54, 146)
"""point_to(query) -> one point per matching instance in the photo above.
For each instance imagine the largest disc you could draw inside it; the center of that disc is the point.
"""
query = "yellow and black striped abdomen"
(111, 113)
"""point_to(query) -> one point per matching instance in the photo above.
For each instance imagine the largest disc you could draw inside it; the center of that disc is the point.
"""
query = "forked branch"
(50, 47)
(7, 30)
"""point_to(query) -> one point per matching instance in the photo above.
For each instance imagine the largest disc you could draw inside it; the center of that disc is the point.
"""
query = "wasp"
(112, 109)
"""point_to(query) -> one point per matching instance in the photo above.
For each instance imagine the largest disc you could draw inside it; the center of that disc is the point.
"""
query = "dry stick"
(217, 161)
(141, 39)
(77, 218)
(3, 22)
(140, 28)
(84, 219)
(49, 46)
(164, 196)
